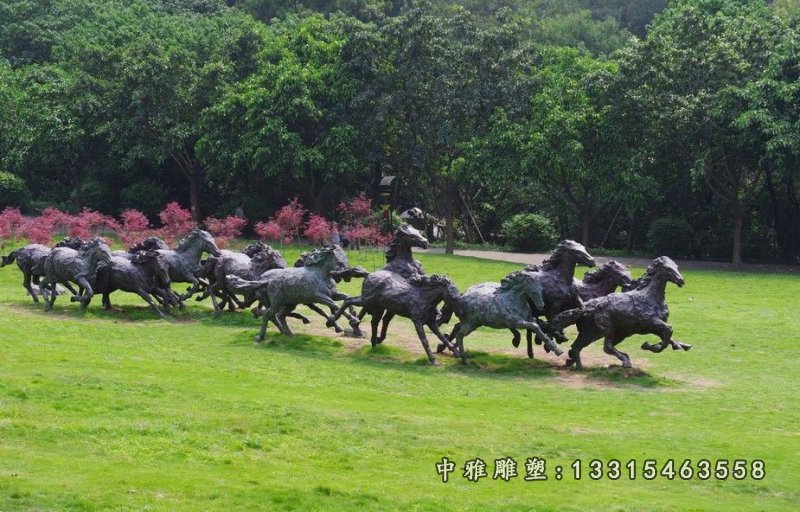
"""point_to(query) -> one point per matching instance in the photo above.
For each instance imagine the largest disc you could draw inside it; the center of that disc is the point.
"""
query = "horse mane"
(554, 260)
(512, 280)
(644, 281)
(149, 243)
(391, 249)
(184, 242)
(255, 248)
(598, 274)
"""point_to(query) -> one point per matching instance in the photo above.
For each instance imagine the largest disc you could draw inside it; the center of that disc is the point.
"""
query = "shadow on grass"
(479, 363)
(616, 375)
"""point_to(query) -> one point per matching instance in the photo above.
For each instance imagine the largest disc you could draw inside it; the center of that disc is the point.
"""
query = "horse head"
(253, 249)
(404, 239)
(323, 258)
(527, 284)
(664, 266)
(202, 239)
(439, 287)
(95, 252)
(613, 271)
(570, 249)
(267, 259)
(150, 243)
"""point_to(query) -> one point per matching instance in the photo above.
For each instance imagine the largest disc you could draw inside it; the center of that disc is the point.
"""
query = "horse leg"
(445, 341)
(106, 300)
(88, 293)
(26, 282)
(375, 321)
(610, 349)
(548, 343)
(262, 333)
(529, 341)
(299, 316)
(461, 330)
(387, 317)
(280, 320)
(515, 337)
(664, 331)
(441, 346)
(146, 296)
(574, 353)
(340, 311)
(424, 340)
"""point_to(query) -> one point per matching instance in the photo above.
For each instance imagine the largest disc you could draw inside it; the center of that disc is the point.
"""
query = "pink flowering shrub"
(89, 223)
(12, 226)
(176, 222)
(318, 229)
(134, 227)
(290, 219)
(225, 230)
(357, 210)
(57, 222)
(269, 230)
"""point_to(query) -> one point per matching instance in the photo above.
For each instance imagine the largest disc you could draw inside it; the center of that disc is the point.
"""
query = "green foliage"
(13, 191)
(530, 232)
(671, 236)
(146, 196)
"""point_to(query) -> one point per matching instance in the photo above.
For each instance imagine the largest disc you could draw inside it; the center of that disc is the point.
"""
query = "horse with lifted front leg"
(620, 315)
(386, 294)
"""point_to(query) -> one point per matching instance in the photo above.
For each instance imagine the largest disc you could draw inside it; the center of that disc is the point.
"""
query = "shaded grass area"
(119, 411)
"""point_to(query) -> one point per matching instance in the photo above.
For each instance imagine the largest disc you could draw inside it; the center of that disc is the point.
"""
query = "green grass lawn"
(120, 411)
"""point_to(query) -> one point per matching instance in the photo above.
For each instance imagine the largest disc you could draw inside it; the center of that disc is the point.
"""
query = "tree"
(689, 73)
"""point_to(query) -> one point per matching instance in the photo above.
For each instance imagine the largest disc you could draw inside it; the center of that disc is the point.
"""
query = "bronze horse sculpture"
(30, 260)
(65, 265)
(604, 280)
(618, 316)
(504, 305)
(399, 260)
(386, 294)
(556, 275)
(284, 289)
(144, 273)
(184, 261)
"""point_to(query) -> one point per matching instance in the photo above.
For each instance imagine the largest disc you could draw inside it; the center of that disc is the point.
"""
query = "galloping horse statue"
(30, 260)
(65, 265)
(184, 261)
(399, 260)
(504, 305)
(283, 289)
(385, 294)
(604, 280)
(144, 273)
(556, 275)
(620, 315)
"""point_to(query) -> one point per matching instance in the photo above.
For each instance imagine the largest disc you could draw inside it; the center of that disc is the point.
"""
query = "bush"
(13, 191)
(144, 196)
(670, 236)
(530, 232)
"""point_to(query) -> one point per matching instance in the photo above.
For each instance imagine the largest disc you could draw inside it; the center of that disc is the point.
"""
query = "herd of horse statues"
(541, 299)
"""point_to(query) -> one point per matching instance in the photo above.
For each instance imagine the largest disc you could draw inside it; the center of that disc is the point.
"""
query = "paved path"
(534, 258)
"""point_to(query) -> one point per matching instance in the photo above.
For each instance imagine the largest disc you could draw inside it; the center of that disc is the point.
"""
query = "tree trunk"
(737, 237)
(449, 230)
(194, 197)
(586, 224)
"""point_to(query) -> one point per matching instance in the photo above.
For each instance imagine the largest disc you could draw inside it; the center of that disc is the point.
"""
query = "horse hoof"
(686, 346)
(306, 321)
(627, 364)
(440, 348)
(557, 351)
(329, 323)
(435, 363)
(569, 363)
(515, 342)
(646, 346)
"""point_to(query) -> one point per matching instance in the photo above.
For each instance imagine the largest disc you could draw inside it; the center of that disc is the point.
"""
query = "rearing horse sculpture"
(620, 315)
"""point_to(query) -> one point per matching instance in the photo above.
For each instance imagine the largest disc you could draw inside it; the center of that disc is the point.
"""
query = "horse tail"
(239, 285)
(569, 317)
(9, 258)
